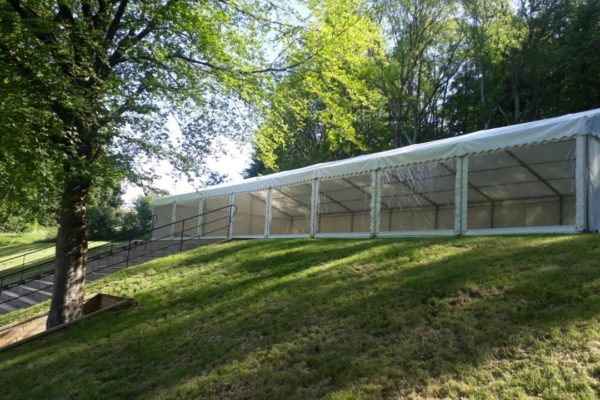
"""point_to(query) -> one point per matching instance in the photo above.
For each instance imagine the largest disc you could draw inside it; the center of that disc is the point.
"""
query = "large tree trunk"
(71, 252)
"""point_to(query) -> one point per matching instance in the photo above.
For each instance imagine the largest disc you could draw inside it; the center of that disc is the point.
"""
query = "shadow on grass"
(317, 318)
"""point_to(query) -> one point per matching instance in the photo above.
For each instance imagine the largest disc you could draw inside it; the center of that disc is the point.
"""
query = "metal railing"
(23, 264)
(125, 250)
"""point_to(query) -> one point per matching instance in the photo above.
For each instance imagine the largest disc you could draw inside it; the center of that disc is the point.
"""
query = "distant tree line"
(109, 219)
(382, 74)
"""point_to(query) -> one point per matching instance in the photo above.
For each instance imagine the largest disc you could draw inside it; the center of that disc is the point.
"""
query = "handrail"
(126, 248)
(2, 261)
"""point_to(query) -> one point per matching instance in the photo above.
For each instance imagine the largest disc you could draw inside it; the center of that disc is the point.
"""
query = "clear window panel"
(290, 210)
(345, 205)
(418, 198)
(215, 216)
(164, 215)
(186, 216)
(523, 187)
(249, 218)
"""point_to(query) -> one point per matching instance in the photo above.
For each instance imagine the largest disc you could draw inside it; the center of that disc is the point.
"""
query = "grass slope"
(513, 317)
(30, 248)
(18, 244)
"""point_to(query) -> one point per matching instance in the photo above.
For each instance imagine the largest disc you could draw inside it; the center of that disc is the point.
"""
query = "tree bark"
(71, 251)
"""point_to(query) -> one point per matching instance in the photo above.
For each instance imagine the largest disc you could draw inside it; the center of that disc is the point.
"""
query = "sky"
(232, 163)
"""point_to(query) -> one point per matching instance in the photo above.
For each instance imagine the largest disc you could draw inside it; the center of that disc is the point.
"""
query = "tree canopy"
(388, 73)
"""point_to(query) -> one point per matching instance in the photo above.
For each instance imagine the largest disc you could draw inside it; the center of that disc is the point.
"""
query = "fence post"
(128, 250)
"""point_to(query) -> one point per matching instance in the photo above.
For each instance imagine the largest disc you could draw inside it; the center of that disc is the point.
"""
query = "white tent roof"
(552, 129)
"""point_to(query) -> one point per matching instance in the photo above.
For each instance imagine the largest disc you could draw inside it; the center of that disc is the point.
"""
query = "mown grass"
(486, 318)
(36, 245)
(18, 244)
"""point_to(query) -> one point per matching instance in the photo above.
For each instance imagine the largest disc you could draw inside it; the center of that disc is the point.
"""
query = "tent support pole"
(152, 221)
(268, 213)
(230, 227)
(561, 205)
(173, 218)
(313, 207)
(375, 202)
(461, 190)
(200, 221)
(581, 183)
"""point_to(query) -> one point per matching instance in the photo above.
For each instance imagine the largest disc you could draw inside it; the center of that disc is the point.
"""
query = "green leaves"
(315, 111)
(389, 73)
(94, 82)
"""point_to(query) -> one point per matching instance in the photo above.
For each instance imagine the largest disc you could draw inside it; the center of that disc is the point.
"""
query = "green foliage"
(105, 213)
(413, 71)
(317, 112)
(109, 220)
(86, 87)
(526, 64)
(473, 318)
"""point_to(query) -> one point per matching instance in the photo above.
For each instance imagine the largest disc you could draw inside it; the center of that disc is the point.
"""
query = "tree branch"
(239, 71)
(113, 27)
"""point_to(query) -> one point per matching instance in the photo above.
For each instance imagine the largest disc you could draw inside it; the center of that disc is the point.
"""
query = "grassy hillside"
(18, 244)
(514, 317)
(33, 246)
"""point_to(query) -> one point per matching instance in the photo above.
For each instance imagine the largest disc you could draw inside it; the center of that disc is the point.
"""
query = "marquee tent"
(536, 177)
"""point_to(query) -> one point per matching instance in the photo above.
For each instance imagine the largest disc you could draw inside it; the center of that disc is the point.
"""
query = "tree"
(536, 60)
(326, 108)
(105, 211)
(96, 81)
(440, 68)
(425, 55)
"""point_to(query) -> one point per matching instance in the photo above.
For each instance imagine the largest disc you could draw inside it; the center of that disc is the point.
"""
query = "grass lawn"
(485, 318)
(30, 247)
(18, 244)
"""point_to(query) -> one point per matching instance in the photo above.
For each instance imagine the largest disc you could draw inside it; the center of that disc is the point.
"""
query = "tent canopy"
(544, 131)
